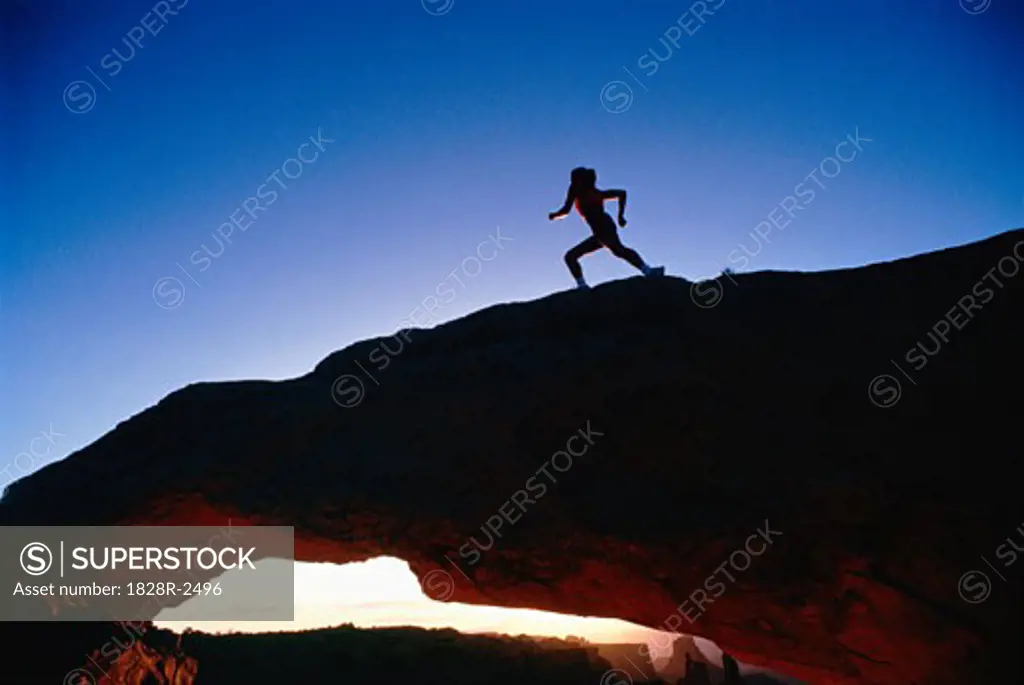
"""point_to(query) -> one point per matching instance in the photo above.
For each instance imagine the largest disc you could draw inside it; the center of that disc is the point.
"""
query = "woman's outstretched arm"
(570, 197)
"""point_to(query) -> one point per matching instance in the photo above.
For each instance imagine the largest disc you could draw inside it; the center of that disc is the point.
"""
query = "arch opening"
(384, 592)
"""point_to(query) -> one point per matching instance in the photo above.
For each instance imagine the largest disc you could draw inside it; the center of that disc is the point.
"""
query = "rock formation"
(732, 671)
(631, 659)
(684, 652)
(749, 472)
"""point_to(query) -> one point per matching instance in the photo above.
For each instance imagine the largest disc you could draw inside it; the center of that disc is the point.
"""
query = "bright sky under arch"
(384, 592)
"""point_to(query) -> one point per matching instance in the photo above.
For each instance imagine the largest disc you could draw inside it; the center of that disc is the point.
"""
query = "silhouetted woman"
(589, 201)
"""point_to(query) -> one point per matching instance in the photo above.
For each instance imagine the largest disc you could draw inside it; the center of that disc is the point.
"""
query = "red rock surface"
(712, 421)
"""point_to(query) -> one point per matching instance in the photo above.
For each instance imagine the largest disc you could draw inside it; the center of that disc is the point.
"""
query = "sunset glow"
(384, 592)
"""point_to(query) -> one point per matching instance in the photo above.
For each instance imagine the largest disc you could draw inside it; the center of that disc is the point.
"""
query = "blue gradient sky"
(445, 128)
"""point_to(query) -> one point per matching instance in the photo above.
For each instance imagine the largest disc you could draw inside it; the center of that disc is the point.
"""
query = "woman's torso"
(590, 204)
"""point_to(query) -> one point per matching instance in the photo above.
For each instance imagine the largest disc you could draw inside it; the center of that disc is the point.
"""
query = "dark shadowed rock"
(705, 425)
(684, 652)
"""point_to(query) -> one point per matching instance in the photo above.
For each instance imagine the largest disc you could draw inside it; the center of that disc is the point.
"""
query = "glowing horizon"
(384, 593)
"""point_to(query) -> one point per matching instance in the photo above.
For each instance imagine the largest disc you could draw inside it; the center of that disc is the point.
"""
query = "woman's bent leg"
(572, 257)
